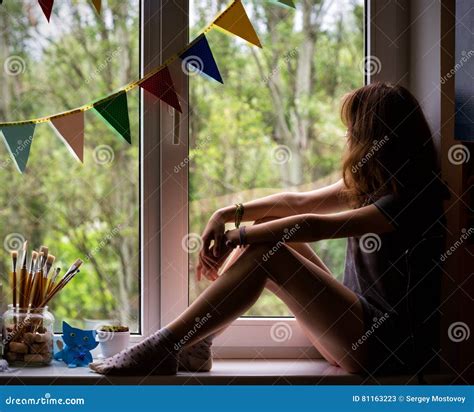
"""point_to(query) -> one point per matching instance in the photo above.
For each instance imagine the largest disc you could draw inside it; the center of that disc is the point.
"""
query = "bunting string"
(196, 57)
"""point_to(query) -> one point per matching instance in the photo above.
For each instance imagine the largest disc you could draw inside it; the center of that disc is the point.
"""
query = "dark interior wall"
(415, 42)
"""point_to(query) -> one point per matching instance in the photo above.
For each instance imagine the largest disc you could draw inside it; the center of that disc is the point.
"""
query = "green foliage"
(92, 210)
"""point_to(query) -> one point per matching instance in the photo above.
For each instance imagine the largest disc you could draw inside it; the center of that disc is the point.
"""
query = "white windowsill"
(224, 372)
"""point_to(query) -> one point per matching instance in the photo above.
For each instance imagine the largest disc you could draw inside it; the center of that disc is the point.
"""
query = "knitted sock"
(197, 357)
(154, 355)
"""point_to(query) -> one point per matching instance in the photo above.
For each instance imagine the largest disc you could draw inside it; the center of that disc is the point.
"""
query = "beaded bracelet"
(242, 236)
(239, 213)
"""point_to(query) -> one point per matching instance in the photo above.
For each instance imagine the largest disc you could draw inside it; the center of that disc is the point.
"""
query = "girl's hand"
(209, 267)
(214, 232)
(211, 258)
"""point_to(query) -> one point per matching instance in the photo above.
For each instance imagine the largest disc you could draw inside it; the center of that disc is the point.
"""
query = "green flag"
(18, 140)
(285, 3)
(115, 112)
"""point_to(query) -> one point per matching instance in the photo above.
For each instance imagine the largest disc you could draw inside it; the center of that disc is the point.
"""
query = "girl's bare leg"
(330, 313)
(306, 251)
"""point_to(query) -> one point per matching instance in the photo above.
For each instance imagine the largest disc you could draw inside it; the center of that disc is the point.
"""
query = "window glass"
(88, 211)
(274, 124)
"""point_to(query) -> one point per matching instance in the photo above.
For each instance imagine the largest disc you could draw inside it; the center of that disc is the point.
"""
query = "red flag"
(47, 6)
(161, 85)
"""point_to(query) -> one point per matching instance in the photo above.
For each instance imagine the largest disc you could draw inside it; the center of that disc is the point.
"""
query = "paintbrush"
(31, 275)
(44, 253)
(42, 279)
(36, 279)
(76, 265)
(23, 274)
(64, 281)
(66, 278)
(14, 255)
(49, 263)
(53, 280)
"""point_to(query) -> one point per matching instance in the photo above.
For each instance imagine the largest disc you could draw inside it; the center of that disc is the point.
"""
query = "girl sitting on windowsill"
(382, 318)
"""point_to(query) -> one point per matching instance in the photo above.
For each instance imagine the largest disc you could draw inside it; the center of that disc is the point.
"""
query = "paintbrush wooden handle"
(23, 279)
(13, 287)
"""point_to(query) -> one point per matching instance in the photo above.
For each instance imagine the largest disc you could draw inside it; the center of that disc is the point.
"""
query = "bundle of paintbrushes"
(35, 284)
(28, 326)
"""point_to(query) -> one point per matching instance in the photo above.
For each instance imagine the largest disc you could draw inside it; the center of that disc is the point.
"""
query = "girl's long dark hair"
(389, 142)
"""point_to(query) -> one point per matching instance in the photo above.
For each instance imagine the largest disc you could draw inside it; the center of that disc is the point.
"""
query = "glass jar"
(28, 336)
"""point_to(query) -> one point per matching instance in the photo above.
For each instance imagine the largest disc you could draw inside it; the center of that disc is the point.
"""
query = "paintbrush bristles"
(49, 262)
(76, 265)
(34, 258)
(25, 254)
(44, 251)
(14, 255)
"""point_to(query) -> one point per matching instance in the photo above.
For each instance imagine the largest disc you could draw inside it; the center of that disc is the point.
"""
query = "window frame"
(169, 267)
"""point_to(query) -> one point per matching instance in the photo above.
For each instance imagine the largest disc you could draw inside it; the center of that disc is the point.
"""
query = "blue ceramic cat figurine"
(79, 343)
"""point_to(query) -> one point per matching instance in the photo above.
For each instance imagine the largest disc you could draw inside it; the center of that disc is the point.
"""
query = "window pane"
(274, 124)
(88, 211)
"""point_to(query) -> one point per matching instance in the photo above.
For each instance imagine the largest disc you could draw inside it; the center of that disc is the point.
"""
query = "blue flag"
(18, 140)
(199, 59)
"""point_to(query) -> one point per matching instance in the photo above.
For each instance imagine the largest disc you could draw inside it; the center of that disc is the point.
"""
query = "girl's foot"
(197, 357)
(152, 356)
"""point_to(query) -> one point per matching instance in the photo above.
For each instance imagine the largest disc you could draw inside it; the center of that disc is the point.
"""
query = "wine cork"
(47, 358)
(33, 358)
(29, 337)
(40, 348)
(18, 347)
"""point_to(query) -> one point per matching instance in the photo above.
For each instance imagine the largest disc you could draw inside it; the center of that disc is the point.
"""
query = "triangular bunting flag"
(70, 128)
(47, 6)
(97, 4)
(115, 112)
(161, 85)
(284, 3)
(199, 59)
(18, 141)
(236, 21)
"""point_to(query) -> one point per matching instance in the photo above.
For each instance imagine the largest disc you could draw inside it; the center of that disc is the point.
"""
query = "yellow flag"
(236, 21)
